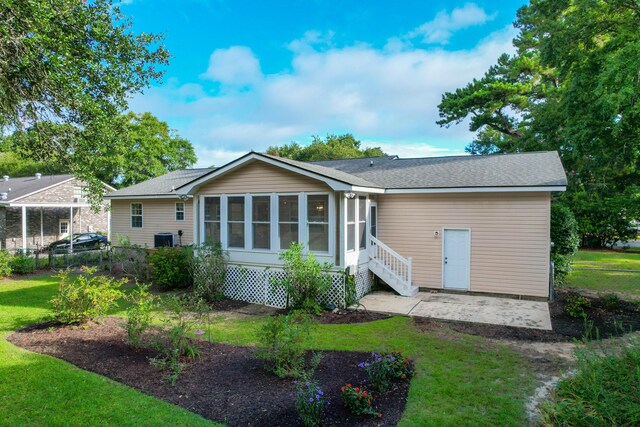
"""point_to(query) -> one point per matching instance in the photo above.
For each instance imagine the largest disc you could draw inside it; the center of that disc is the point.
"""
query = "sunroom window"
(212, 220)
(351, 224)
(318, 222)
(287, 220)
(261, 222)
(235, 221)
(362, 221)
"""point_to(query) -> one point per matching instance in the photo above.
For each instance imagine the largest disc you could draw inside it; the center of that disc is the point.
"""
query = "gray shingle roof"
(329, 172)
(539, 169)
(20, 187)
(162, 185)
(498, 170)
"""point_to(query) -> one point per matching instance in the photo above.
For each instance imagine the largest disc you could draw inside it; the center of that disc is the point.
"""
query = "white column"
(42, 226)
(71, 229)
(24, 228)
(109, 225)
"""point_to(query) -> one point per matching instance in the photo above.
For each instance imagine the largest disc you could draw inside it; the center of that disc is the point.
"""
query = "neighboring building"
(474, 223)
(38, 210)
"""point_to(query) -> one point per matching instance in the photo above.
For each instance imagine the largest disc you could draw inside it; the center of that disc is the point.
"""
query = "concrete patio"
(464, 308)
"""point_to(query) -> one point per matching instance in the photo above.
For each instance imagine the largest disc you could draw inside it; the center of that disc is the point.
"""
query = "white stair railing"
(391, 261)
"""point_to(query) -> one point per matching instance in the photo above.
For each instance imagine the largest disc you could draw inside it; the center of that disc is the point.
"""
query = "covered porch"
(33, 226)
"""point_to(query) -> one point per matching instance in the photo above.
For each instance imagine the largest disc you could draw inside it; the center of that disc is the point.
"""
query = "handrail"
(398, 265)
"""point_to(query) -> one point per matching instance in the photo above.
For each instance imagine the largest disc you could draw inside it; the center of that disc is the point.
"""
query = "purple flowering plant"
(384, 368)
(310, 402)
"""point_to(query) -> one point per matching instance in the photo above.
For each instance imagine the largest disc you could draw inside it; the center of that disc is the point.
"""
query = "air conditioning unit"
(161, 240)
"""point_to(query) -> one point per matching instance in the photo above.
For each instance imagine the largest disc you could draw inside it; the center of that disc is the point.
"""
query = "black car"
(81, 242)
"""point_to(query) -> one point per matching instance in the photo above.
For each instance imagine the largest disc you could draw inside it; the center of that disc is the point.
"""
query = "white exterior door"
(456, 259)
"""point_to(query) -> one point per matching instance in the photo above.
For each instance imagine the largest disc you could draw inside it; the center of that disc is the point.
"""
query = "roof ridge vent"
(38, 175)
(5, 177)
(371, 163)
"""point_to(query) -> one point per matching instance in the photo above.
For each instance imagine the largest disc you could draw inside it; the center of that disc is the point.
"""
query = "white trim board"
(473, 190)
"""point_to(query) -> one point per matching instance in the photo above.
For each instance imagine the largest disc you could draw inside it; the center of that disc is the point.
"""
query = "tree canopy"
(67, 70)
(330, 148)
(572, 86)
(149, 148)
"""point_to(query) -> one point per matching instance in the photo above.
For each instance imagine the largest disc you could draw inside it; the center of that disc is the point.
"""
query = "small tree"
(565, 238)
(306, 279)
(5, 263)
(170, 267)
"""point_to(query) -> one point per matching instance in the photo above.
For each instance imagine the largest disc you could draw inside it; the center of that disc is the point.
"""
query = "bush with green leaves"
(22, 264)
(604, 390)
(282, 341)
(5, 265)
(139, 314)
(358, 400)
(209, 270)
(574, 305)
(85, 296)
(171, 268)
(383, 369)
(611, 301)
(174, 342)
(306, 280)
(565, 238)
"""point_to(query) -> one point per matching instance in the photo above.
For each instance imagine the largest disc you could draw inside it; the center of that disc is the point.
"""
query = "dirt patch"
(226, 384)
(608, 322)
(228, 305)
(350, 316)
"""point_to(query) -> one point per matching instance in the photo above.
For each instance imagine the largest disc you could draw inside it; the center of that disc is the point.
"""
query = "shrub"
(209, 270)
(5, 266)
(604, 391)
(22, 264)
(85, 297)
(282, 341)
(139, 314)
(575, 304)
(358, 400)
(611, 301)
(174, 342)
(171, 268)
(310, 402)
(383, 369)
(306, 280)
(565, 238)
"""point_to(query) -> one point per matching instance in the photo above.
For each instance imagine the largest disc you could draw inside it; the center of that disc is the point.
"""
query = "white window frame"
(141, 215)
(299, 222)
(252, 222)
(183, 211)
(330, 222)
(360, 221)
(68, 223)
(246, 223)
(203, 226)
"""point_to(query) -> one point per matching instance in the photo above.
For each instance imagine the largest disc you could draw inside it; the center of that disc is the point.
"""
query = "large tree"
(573, 86)
(152, 149)
(331, 148)
(67, 70)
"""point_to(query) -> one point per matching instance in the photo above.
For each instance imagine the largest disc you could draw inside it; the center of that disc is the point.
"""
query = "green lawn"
(462, 380)
(606, 281)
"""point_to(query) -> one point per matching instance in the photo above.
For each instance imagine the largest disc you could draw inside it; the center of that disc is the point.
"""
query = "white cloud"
(235, 66)
(386, 96)
(442, 27)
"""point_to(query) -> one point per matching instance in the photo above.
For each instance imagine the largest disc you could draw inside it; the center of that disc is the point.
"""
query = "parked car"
(81, 242)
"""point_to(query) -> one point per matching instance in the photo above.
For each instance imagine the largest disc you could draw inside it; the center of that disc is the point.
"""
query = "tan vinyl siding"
(260, 177)
(509, 237)
(158, 215)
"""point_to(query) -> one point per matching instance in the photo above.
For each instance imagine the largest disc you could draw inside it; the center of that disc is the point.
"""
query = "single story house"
(467, 223)
(38, 210)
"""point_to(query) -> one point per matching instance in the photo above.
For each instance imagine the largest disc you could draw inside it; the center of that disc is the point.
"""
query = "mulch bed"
(565, 328)
(341, 316)
(227, 384)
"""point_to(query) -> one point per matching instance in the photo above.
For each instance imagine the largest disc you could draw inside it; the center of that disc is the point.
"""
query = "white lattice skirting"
(256, 285)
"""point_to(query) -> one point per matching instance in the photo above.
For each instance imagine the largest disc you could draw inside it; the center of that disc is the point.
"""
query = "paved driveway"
(465, 308)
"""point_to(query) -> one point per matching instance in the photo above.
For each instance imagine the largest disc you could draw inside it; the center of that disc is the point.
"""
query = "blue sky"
(248, 74)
